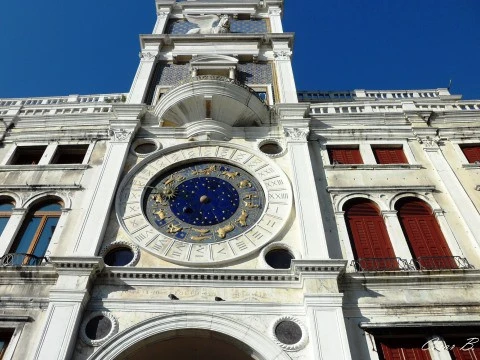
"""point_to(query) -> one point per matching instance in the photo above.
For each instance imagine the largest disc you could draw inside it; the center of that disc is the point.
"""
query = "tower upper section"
(241, 41)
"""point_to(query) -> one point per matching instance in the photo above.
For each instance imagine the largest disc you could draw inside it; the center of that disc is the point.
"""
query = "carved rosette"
(289, 347)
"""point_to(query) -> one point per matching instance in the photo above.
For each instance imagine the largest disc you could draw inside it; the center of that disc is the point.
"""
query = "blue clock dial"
(204, 202)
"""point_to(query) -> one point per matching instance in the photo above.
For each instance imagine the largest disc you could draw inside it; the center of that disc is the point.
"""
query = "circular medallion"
(204, 203)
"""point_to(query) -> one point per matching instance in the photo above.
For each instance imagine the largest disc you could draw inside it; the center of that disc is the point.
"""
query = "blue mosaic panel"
(166, 74)
(251, 73)
(179, 27)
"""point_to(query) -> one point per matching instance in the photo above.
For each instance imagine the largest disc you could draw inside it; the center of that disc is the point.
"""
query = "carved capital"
(120, 135)
(282, 54)
(145, 55)
(297, 134)
(274, 11)
(163, 14)
(429, 142)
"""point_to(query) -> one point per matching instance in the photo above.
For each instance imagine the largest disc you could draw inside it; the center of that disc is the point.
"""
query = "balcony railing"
(440, 263)
(380, 264)
(18, 259)
(420, 263)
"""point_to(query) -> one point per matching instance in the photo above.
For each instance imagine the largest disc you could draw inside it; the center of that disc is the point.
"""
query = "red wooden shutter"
(471, 152)
(369, 237)
(424, 235)
(388, 155)
(344, 155)
(470, 351)
(403, 349)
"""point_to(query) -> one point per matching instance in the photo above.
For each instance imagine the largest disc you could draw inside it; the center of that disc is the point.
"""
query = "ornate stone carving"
(163, 14)
(120, 134)
(146, 55)
(297, 134)
(206, 23)
(428, 141)
(274, 12)
(289, 347)
(282, 54)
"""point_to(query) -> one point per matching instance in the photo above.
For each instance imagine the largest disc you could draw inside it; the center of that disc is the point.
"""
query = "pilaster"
(145, 69)
(67, 301)
(308, 211)
(11, 230)
(286, 88)
(163, 15)
(122, 131)
(397, 237)
(274, 14)
(458, 195)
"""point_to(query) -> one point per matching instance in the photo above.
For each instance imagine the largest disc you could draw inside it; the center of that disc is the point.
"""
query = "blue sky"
(60, 47)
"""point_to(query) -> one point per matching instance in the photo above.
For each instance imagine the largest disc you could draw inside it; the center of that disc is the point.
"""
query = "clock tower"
(216, 209)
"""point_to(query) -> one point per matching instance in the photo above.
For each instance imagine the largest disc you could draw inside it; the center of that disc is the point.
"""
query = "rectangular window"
(463, 347)
(70, 154)
(402, 349)
(344, 155)
(471, 152)
(389, 155)
(27, 155)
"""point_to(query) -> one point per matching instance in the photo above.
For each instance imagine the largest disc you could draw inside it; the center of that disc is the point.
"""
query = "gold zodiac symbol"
(201, 231)
(245, 184)
(173, 229)
(251, 205)
(222, 232)
(172, 179)
(250, 197)
(158, 198)
(230, 174)
(242, 220)
(161, 214)
(206, 171)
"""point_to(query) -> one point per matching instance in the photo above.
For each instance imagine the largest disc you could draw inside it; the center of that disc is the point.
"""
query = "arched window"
(368, 235)
(36, 232)
(423, 234)
(6, 207)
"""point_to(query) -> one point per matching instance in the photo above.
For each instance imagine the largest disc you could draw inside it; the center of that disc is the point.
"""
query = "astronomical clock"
(203, 205)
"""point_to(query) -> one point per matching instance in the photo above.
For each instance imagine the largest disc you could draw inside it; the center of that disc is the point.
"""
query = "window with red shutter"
(389, 155)
(464, 348)
(423, 234)
(368, 236)
(471, 152)
(344, 155)
(402, 349)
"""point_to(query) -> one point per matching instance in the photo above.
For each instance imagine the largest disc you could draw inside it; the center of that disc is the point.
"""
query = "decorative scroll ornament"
(297, 134)
(120, 134)
(282, 54)
(206, 23)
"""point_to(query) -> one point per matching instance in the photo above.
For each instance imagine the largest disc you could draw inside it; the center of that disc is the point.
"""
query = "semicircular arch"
(161, 328)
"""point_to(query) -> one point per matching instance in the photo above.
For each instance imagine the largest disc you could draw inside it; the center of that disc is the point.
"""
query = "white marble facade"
(229, 98)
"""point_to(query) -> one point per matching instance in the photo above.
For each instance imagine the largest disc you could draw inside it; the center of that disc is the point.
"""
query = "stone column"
(285, 86)
(323, 306)
(65, 311)
(457, 193)
(397, 237)
(274, 14)
(11, 230)
(162, 19)
(98, 203)
(140, 84)
(307, 205)
(343, 236)
(436, 346)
